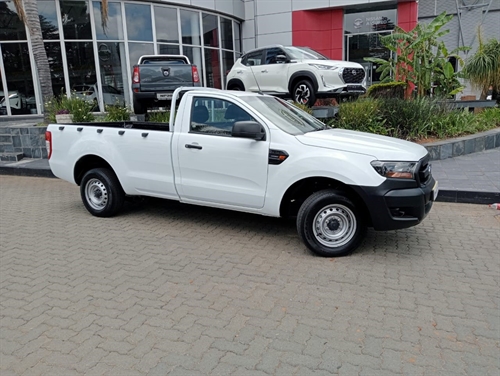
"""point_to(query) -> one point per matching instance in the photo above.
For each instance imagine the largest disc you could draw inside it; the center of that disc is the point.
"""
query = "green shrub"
(387, 90)
(413, 119)
(80, 109)
(117, 113)
(159, 117)
(361, 115)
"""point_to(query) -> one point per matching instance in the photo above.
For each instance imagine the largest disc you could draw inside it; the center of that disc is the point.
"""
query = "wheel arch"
(235, 82)
(301, 75)
(86, 163)
(299, 191)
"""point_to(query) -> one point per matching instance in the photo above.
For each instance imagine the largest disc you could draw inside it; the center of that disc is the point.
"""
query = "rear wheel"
(139, 107)
(330, 224)
(303, 93)
(101, 192)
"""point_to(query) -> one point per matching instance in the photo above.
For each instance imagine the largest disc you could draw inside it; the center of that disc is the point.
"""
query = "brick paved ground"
(167, 288)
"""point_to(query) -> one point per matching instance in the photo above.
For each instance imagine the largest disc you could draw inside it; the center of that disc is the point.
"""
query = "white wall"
(235, 8)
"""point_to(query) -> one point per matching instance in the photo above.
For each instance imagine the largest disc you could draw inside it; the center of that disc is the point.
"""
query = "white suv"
(297, 72)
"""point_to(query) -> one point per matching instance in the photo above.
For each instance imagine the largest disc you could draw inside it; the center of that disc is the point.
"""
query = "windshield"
(285, 116)
(304, 53)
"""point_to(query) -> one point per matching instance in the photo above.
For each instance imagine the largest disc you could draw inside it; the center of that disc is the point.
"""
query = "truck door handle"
(191, 146)
(264, 71)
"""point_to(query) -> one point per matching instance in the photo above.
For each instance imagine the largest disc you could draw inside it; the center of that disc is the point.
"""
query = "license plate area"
(435, 191)
(163, 97)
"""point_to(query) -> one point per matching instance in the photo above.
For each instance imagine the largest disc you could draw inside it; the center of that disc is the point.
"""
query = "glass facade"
(86, 55)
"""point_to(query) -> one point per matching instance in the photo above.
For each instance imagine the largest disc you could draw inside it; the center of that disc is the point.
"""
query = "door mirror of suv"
(281, 59)
(248, 129)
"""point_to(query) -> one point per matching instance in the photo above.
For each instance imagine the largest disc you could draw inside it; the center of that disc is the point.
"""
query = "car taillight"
(135, 77)
(48, 143)
(196, 76)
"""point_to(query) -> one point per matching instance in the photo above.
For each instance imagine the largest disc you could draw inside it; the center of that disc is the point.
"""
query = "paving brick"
(175, 289)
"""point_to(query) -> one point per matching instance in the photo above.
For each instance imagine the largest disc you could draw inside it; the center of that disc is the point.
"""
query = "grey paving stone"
(138, 293)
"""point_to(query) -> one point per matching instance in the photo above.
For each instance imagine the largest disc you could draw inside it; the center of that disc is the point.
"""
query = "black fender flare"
(235, 82)
(302, 75)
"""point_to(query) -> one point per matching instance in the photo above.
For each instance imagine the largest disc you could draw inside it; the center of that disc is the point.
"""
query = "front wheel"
(303, 93)
(330, 224)
(101, 192)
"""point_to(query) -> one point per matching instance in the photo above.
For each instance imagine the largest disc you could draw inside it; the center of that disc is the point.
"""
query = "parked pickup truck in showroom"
(299, 73)
(252, 153)
(155, 78)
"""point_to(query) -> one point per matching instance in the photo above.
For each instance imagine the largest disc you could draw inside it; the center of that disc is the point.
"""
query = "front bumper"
(397, 204)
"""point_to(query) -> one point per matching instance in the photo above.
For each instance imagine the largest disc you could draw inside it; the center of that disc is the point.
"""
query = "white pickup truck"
(252, 153)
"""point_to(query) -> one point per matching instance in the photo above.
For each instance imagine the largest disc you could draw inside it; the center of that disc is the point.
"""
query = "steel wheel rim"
(96, 194)
(334, 226)
(302, 94)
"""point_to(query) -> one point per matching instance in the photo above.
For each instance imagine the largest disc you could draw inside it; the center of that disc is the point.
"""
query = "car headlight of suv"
(398, 170)
(323, 67)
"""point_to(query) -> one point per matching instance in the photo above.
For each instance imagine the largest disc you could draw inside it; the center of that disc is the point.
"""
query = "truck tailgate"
(159, 77)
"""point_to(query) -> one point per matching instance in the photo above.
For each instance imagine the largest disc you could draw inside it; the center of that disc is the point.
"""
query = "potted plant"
(63, 116)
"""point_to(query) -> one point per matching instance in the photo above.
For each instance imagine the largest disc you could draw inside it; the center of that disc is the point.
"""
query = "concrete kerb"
(455, 147)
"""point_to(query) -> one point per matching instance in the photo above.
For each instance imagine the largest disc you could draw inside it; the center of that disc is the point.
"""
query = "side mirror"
(281, 59)
(248, 129)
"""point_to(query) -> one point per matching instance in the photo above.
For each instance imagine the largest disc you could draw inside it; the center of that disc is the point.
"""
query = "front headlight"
(399, 170)
(323, 67)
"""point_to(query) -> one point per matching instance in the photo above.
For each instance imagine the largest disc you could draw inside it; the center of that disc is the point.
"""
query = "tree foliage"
(483, 68)
(420, 58)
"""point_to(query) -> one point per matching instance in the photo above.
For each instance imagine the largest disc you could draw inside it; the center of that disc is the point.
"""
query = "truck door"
(213, 166)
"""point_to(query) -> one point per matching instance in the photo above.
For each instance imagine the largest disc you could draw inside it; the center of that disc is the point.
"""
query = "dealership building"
(84, 56)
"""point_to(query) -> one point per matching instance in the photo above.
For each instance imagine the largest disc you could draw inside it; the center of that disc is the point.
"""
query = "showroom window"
(75, 17)
(98, 59)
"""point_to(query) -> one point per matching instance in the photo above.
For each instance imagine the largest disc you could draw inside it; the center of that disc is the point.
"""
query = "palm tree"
(483, 68)
(27, 11)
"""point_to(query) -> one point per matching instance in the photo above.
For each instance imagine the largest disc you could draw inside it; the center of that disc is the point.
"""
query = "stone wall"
(30, 141)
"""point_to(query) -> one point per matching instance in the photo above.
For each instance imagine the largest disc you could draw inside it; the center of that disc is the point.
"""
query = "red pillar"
(321, 30)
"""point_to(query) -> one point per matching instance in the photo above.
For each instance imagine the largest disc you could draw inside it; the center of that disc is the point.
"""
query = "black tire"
(139, 107)
(101, 192)
(236, 87)
(303, 93)
(342, 223)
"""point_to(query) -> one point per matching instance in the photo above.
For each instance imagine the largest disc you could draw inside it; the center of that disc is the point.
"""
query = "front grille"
(424, 170)
(353, 75)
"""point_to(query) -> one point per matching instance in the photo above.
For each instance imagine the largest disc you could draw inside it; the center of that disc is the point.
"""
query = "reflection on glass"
(48, 19)
(210, 30)
(190, 26)
(17, 66)
(75, 19)
(227, 63)
(194, 56)
(136, 50)
(53, 50)
(138, 18)
(368, 45)
(114, 25)
(226, 33)
(237, 37)
(114, 76)
(81, 67)
(166, 25)
(168, 49)
(212, 65)
(11, 27)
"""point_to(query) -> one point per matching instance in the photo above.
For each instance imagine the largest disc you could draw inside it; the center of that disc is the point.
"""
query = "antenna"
(255, 78)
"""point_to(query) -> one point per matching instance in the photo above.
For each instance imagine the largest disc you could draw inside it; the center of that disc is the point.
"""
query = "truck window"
(215, 116)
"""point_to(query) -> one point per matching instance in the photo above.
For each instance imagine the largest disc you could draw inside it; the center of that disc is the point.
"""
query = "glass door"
(359, 46)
